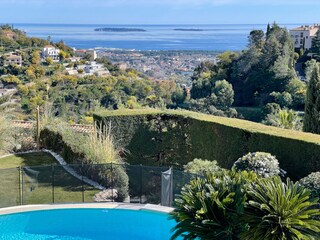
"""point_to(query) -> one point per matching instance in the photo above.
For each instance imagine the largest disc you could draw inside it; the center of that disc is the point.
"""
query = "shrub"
(312, 182)
(114, 177)
(277, 210)
(271, 108)
(263, 164)
(210, 207)
(201, 167)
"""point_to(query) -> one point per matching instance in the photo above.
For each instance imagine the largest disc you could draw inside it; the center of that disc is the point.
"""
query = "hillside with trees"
(262, 77)
(45, 83)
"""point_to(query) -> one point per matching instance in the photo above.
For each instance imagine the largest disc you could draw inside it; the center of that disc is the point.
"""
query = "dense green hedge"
(154, 137)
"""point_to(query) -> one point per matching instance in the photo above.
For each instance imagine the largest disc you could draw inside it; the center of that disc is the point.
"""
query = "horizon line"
(159, 24)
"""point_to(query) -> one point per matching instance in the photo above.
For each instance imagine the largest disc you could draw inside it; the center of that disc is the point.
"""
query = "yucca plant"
(280, 211)
(210, 207)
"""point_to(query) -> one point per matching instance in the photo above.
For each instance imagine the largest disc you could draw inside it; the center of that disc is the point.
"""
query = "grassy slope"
(231, 122)
(37, 187)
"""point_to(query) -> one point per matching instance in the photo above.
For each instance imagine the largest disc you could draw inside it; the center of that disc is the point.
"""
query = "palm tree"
(287, 119)
(280, 211)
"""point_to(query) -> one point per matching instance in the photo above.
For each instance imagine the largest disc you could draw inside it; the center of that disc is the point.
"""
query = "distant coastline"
(119, 30)
(157, 37)
(189, 29)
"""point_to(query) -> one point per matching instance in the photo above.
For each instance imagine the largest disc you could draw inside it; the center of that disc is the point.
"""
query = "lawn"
(42, 180)
(29, 159)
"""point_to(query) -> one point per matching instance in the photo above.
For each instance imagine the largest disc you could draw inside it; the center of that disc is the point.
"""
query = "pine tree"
(312, 108)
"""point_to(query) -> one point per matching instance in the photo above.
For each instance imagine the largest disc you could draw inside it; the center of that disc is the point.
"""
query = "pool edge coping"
(111, 205)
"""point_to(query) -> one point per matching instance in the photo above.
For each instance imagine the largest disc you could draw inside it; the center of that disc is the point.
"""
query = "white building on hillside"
(94, 68)
(302, 36)
(13, 58)
(82, 53)
(90, 68)
(51, 52)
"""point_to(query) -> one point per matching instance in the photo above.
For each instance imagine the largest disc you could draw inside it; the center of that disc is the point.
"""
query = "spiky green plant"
(210, 207)
(280, 211)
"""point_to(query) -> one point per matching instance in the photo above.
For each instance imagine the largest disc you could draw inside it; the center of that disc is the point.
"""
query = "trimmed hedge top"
(230, 122)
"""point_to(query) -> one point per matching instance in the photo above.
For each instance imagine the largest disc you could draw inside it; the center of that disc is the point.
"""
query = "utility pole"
(38, 128)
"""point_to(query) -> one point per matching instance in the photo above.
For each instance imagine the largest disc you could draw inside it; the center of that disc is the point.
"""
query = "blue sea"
(219, 37)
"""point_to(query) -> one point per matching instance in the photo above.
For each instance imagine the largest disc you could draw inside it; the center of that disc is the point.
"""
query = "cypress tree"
(316, 44)
(268, 30)
(312, 108)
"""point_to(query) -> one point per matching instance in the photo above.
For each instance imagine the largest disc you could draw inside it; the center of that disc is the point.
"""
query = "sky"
(159, 11)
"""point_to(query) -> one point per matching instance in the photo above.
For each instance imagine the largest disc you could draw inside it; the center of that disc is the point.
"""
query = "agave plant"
(279, 211)
(210, 207)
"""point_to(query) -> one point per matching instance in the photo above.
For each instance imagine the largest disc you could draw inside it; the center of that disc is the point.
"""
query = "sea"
(214, 37)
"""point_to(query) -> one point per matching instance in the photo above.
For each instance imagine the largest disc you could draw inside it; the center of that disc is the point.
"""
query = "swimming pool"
(85, 224)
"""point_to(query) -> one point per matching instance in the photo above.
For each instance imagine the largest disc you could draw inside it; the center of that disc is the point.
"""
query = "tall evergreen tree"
(312, 108)
(268, 30)
(316, 44)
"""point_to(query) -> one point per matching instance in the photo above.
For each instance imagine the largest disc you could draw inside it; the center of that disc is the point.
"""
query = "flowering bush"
(201, 167)
(312, 182)
(263, 164)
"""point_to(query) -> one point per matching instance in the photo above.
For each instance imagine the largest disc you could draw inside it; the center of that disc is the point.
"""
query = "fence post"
(82, 187)
(140, 183)
(20, 195)
(172, 187)
(22, 185)
(112, 198)
(38, 129)
(52, 178)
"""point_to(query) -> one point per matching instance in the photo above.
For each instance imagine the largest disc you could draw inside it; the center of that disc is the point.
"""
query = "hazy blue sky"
(159, 11)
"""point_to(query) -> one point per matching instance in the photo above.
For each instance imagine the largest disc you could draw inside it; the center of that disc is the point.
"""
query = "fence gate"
(167, 188)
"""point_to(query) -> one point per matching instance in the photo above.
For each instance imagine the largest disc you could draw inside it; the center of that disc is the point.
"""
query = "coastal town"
(161, 65)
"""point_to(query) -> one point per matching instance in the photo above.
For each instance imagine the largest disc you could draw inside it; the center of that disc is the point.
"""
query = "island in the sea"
(119, 30)
(188, 29)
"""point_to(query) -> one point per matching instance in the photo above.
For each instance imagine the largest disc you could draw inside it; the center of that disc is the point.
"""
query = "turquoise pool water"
(85, 224)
